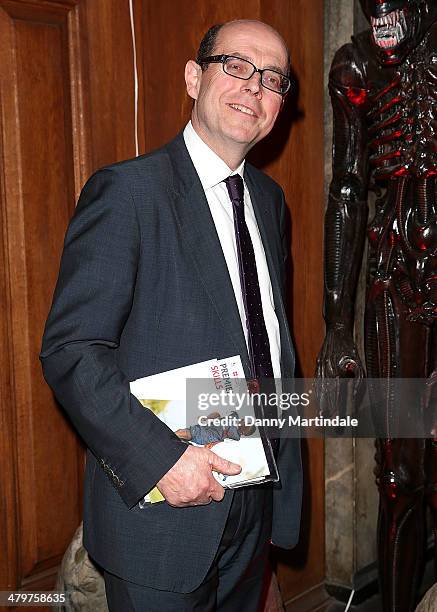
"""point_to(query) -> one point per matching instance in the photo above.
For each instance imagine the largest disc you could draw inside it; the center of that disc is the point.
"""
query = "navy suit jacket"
(143, 287)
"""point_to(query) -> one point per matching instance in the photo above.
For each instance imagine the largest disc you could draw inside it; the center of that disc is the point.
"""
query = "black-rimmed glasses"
(243, 69)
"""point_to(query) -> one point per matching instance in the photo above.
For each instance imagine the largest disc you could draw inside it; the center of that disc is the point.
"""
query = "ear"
(193, 77)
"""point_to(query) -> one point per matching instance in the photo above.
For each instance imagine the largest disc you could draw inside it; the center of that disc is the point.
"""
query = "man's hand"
(190, 481)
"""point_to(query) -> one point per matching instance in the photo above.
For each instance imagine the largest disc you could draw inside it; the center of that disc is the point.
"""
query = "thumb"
(218, 464)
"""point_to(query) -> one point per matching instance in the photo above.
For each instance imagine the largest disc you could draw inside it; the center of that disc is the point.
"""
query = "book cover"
(227, 430)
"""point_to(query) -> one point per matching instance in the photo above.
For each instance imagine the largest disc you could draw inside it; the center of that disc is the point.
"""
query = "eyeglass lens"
(243, 69)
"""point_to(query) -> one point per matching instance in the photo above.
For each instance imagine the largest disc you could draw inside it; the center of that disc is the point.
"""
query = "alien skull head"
(398, 26)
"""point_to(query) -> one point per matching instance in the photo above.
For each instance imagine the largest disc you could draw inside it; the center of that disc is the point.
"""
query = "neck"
(231, 155)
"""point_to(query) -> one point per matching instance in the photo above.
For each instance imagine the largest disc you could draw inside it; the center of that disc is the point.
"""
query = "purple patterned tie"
(258, 340)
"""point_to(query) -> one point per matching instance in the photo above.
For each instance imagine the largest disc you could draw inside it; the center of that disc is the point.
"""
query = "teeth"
(399, 31)
(390, 30)
(243, 109)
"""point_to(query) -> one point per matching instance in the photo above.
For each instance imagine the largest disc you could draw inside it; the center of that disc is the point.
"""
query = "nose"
(253, 85)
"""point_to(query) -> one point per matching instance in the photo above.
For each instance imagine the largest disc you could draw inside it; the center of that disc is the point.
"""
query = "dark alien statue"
(383, 87)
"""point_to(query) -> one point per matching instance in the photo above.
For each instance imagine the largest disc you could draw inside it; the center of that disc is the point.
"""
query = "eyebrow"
(268, 67)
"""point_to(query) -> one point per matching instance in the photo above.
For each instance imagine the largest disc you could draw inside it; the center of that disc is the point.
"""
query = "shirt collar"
(211, 169)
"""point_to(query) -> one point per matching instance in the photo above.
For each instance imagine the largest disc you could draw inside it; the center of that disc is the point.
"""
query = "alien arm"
(346, 214)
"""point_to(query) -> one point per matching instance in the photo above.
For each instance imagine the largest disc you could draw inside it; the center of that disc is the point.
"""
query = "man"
(150, 281)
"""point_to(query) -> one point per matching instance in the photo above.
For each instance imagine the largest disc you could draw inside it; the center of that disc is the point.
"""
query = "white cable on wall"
(348, 605)
(134, 49)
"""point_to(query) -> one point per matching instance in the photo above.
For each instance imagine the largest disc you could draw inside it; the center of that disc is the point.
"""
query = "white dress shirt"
(212, 171)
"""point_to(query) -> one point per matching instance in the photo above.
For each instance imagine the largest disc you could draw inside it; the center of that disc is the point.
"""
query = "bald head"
(212, 42)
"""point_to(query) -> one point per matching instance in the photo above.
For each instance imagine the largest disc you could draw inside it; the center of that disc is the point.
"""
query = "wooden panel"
(8, 518)
(298, 166)
(41, 169)
(296, 162)
(111, 83)
(181, 25)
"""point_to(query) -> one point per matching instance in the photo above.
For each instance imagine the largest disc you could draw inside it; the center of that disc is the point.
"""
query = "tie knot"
(235, 187)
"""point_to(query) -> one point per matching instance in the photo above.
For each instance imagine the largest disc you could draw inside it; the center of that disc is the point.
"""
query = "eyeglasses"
(243, 69)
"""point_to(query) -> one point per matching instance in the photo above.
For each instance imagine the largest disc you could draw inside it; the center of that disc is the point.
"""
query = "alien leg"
(399, 461)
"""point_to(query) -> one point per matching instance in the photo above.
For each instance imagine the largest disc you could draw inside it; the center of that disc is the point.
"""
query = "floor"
(373, 604)
(370, 605)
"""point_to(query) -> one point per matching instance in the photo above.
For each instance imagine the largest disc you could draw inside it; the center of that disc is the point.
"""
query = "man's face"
(231, 114)
(397, 27)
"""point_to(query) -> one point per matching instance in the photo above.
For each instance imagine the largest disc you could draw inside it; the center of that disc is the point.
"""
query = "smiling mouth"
(390, 30)
(243, 109)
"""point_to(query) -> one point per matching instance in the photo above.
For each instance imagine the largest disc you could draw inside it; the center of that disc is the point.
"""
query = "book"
(230, 431)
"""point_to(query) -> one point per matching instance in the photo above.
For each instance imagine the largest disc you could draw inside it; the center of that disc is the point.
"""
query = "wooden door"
(56, 102)
(42, 166)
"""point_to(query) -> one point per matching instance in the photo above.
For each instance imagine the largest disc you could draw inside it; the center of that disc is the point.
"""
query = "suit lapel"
(200, 235)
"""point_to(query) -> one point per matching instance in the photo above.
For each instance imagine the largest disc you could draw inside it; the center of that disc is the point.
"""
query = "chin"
(242, 135)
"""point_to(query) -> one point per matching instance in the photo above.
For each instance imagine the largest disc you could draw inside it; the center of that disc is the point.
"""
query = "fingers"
(218, 464)
(217, 493)
(213, 492)
(191, 482)
(183, 504)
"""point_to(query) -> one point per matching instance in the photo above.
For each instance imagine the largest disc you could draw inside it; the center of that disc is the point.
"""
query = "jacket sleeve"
(91, 304)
